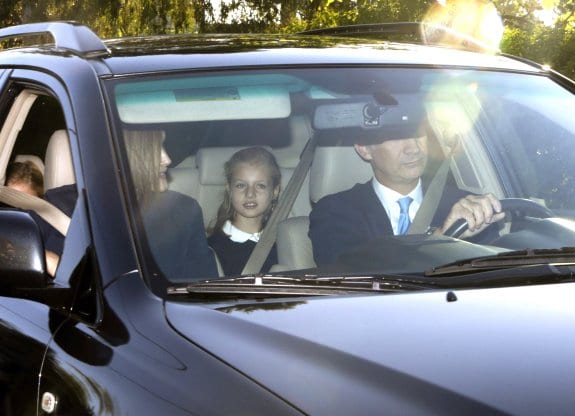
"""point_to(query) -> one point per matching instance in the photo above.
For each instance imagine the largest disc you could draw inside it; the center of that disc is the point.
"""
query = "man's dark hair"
(28, 173)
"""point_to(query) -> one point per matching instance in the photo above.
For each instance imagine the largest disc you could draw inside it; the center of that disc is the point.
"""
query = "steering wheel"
(522, 205)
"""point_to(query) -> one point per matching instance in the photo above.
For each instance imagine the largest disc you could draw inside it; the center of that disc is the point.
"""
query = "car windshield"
(370, 135)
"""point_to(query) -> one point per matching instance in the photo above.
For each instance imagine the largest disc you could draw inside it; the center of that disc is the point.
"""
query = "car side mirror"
(22, 259)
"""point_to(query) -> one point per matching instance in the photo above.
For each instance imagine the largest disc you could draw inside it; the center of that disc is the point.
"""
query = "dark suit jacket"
(347, 219)
(177, 239)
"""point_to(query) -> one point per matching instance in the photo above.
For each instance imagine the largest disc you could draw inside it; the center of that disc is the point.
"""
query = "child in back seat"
(253, 181)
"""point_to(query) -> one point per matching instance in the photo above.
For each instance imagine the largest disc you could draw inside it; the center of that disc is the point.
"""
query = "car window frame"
(30, 84)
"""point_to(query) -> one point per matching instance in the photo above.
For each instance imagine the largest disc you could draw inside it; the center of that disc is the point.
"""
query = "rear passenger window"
(36, 160)
(44, 118)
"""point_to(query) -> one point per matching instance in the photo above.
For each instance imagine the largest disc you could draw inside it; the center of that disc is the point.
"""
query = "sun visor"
(207, 99)
(371, 120)
(204, 104)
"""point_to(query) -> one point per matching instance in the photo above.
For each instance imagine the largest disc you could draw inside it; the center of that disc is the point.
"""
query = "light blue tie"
(404, 222)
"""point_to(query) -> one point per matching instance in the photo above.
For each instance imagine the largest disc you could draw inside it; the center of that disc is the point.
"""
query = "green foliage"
(10, 12)
(564, 57)
(521, 14)
(108, 18)
(529, 37)
(516, 41)
(392, 10)
(525, 34)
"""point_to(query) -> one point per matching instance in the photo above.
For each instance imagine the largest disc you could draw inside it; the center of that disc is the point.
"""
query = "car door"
(31, 111)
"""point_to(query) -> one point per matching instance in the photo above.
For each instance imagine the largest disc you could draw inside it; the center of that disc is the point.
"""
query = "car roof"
(208, 51)
(131, 55)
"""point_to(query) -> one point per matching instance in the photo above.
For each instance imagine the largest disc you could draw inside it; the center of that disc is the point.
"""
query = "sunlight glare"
(471, 24)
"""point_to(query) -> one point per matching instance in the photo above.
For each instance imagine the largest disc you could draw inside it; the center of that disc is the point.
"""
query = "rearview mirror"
(388, 117)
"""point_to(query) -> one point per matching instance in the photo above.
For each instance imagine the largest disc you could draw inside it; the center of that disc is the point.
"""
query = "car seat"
(334, 169)
(35, 160)
(58, 166)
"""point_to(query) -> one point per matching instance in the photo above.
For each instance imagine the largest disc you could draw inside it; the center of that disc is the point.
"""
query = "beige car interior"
(201, 176)
(58, 168)
(334, 169)
(33, 159)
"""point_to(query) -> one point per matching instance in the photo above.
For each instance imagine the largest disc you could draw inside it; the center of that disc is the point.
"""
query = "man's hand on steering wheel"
(479, 211)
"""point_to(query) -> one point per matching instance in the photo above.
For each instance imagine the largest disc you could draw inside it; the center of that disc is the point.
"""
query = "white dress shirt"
(388, 198)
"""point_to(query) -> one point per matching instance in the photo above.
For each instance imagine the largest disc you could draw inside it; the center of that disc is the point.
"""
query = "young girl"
(253, 181)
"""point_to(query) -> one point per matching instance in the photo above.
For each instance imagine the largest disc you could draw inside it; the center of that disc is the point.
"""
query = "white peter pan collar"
(237, 235)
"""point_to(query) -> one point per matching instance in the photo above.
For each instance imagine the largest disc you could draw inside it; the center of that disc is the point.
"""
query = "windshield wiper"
(520, 267)
(506, 260)
(301, 286)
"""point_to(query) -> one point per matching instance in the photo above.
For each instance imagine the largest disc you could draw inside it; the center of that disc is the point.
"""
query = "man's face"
(397, 164)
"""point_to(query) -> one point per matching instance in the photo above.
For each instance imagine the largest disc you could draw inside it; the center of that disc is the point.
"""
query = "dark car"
(115, 301)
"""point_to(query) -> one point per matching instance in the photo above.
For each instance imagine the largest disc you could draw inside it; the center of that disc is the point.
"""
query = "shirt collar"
(237, 235)
(388, 196)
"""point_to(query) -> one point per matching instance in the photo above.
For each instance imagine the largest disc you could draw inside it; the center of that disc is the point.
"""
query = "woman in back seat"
(253, 181)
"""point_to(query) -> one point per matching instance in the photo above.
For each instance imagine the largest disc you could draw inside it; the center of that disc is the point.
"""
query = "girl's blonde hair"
(253, 155)
(144, 150)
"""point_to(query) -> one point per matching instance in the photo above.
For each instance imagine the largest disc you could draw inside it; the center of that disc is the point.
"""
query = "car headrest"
(58, 166)
(33, 159)
(335, 169)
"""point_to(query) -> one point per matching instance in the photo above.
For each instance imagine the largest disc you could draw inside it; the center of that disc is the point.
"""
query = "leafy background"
(526, 33)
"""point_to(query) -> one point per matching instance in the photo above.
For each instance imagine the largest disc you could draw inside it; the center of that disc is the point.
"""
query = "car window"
(506, 134)
(36, 159)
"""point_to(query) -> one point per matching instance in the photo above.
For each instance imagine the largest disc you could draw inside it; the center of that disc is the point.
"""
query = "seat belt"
(428, 207)
(281, 211)
(44, 209)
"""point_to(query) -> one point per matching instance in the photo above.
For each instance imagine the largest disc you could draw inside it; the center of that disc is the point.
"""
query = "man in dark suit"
(387, 204)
